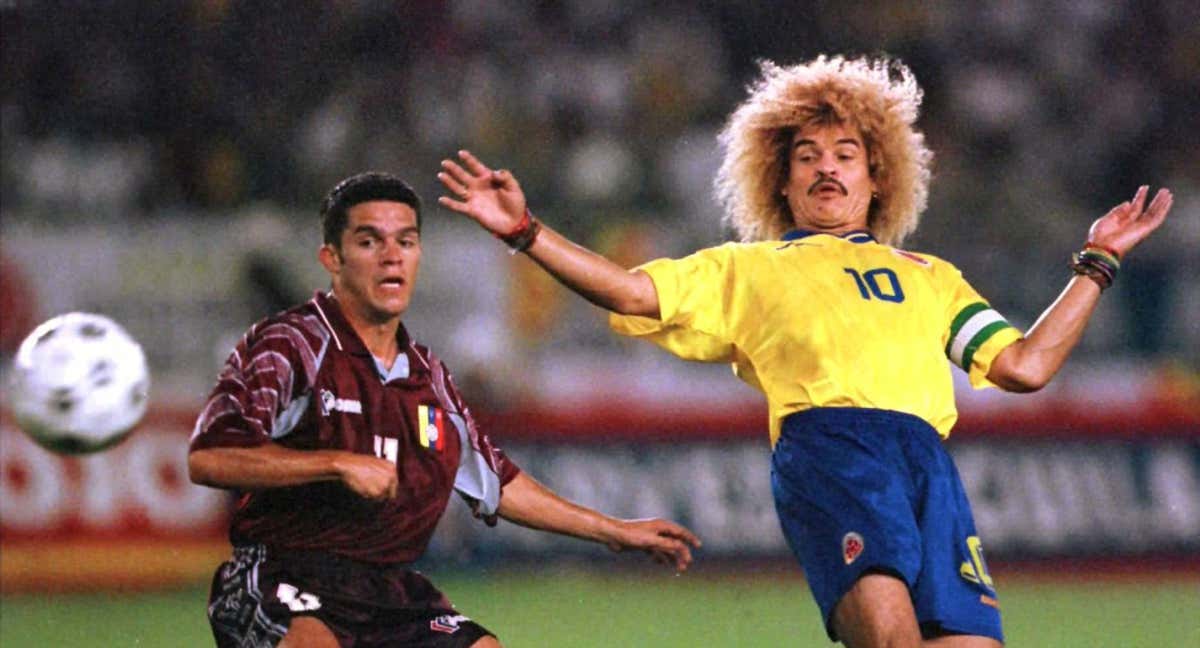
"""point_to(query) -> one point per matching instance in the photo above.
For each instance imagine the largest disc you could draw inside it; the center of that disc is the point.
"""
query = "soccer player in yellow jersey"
(846, 334)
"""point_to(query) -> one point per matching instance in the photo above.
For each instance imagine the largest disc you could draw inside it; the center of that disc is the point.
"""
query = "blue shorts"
(873, 491)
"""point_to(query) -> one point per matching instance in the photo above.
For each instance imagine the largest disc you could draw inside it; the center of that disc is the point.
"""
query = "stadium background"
(162, 163)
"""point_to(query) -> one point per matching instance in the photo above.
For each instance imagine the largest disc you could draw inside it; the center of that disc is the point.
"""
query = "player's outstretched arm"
(274, 466)
(526, 502)
(494, 199)
(1030, 363)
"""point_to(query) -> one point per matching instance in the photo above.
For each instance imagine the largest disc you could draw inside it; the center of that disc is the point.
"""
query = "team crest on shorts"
(447, 623)
(852, 547)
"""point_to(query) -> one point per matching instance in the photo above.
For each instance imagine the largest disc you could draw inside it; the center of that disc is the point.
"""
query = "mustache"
(825, 179)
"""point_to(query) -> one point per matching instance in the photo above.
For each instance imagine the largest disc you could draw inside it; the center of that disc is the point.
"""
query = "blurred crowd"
(1042, 115)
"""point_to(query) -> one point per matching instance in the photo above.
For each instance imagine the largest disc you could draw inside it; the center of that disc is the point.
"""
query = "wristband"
(1096, 246)
(523, 235)
(1100, 264)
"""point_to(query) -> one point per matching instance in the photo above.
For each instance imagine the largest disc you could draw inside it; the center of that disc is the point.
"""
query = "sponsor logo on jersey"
(431, 427)
(852, 547)
(447, 623)
(331, 403)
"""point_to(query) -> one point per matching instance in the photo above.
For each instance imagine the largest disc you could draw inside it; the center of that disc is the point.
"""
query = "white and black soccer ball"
(79, 384)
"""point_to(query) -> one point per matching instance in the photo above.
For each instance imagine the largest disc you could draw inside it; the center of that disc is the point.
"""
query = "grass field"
(578, 608)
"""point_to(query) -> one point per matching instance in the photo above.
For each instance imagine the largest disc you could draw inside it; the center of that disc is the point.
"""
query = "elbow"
(637, 296)
(1019, 371)
(638, 307)
(1024, 387)
(1023, 382)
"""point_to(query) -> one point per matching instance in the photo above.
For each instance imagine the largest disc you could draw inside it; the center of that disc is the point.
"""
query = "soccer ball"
(80, 384)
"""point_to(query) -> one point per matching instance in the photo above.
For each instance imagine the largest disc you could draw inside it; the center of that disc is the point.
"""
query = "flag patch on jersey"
(431, 427)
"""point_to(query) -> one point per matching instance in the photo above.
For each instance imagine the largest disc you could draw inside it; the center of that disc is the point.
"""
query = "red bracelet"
(522, 225)
(523, 235)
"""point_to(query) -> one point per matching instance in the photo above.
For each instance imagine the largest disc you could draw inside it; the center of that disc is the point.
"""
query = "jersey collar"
(855, 236)
(345, 336)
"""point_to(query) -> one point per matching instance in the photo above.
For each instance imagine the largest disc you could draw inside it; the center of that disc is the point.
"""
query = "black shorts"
(256, 593)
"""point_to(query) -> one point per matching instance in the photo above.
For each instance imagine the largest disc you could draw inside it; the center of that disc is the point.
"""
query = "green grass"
(583, 609)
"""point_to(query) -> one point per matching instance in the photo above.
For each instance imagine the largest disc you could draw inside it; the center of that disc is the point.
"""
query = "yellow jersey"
(818, 320)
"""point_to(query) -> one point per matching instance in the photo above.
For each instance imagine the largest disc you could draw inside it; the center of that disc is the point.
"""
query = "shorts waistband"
(260, 552)
(845, 415)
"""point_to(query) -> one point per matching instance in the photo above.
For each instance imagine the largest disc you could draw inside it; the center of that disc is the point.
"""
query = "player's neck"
(835, 224)
(835, 230)
(378, 337)
(380, 340)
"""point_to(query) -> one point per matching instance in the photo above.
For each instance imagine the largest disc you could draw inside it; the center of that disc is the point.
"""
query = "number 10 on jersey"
(869, 284)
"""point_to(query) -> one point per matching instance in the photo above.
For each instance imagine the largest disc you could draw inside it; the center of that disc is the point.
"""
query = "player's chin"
(389, 306)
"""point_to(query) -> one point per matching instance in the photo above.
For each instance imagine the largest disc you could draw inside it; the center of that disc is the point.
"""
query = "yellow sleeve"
(692, 295)
(981, 363)
(682, 342)
(975, 333)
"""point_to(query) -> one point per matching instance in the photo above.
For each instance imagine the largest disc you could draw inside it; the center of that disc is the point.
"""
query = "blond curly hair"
(879, 96)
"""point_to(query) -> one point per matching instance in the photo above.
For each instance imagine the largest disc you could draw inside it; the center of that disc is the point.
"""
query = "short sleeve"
(262, 391)
(975, 332)
(483, 468)
(693, 297)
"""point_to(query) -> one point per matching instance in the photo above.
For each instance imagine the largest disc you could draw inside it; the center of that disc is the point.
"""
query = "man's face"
(829, 184)
(376, 268)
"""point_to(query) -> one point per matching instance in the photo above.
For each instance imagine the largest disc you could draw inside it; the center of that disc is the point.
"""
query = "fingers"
(502, 179)
(675, 540)
(682, 533)
(673, 552)
(454, 205)
(456, 174)
(666, 558)
(680, 558)
(668, 529)
(668, 543)
(455, 179)
(453, 185)
(460, 181)
(1139, 199)
(1130, 209)
(1157, 211)
(450, 179)
(476, 167)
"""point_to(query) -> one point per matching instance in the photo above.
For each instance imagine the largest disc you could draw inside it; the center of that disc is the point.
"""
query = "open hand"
(668, 543)
(1127, 224)
(491, 198)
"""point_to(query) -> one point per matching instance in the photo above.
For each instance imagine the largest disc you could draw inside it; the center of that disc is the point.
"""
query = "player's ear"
(330, 258)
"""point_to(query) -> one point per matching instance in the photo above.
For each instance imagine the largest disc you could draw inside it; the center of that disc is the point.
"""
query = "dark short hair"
(360, 188)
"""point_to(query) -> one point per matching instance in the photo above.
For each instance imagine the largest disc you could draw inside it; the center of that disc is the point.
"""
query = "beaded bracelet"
(1098, 263)
(523, 235)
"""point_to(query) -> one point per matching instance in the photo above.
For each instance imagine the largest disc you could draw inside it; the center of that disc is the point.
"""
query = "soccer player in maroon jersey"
(345, 439)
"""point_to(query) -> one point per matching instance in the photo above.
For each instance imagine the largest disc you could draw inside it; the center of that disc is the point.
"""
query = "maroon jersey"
(305, 380)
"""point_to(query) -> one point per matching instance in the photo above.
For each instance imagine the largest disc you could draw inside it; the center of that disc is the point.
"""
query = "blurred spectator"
(1039, 114)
